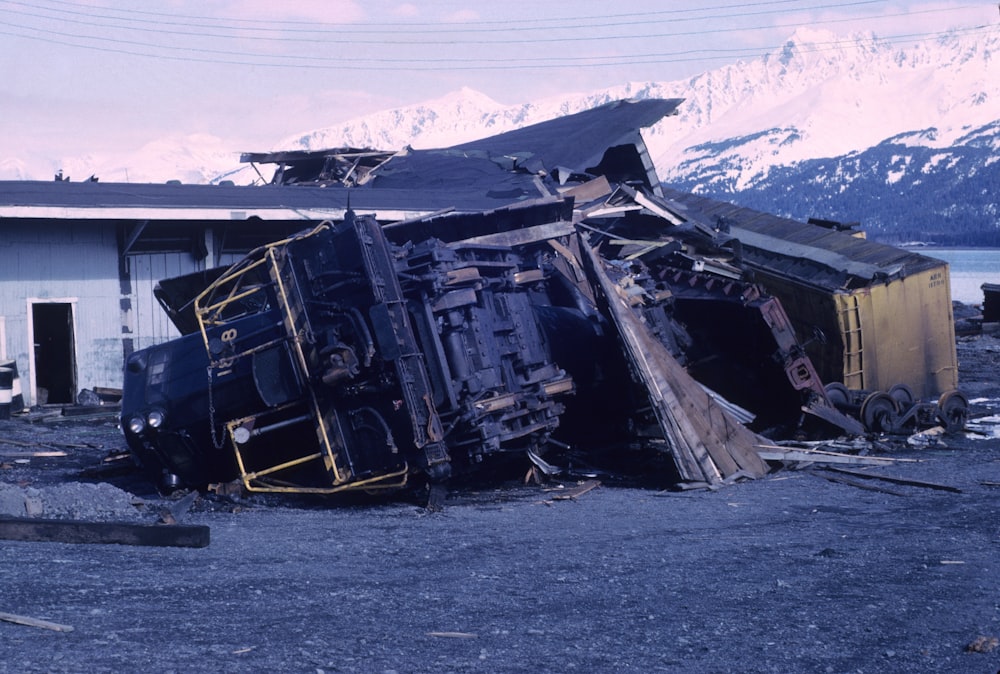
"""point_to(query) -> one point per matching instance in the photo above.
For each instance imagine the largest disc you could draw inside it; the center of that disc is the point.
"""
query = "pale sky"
(81, 76)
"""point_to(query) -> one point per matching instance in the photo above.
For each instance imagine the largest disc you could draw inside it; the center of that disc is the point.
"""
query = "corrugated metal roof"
(578, 141)
(572, 144)
(110, 201)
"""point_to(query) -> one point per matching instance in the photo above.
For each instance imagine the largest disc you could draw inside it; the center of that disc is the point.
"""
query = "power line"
(519, 24)
(486, 64)
(349, 35)
(457, 42)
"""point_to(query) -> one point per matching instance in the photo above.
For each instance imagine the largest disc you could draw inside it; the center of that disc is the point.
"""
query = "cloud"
(462, 16)
(325, 11)
(407, 10)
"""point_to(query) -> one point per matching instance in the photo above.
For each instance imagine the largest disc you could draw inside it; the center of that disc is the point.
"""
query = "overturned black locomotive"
(336, 361)
(333, 361)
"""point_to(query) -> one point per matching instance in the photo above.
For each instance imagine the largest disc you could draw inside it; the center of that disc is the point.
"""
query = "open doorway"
(54, 371)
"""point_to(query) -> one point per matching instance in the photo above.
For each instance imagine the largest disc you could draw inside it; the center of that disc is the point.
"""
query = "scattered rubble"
(99, 502)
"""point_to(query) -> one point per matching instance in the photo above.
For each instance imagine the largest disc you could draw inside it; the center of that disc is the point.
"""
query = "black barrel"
(16, 396)
(6, 391)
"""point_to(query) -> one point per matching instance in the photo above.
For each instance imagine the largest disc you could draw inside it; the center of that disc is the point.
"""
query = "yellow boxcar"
(870, 315)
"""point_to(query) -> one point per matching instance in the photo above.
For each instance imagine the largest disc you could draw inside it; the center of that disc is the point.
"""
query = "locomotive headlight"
(241, 434)
(155, 418)
(136, 425)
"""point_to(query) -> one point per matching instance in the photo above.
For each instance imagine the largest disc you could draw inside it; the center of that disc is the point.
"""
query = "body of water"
(970, 268)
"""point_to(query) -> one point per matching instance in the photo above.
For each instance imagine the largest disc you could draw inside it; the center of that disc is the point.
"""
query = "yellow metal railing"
(210, 309)
(851, 328)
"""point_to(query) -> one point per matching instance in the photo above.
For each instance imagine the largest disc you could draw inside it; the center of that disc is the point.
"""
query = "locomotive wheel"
(953, 411)
(879, 413)
(903, 395)
(839, 395)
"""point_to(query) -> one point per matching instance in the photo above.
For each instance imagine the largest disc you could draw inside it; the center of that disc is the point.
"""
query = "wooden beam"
(75, 531)
(34, 622)
(579, 490)
(855, 483)
(134, 236)
(814, 456)
(897, 480)
(525, 235)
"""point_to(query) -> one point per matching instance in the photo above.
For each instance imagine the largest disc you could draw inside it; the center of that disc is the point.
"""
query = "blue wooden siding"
(149, 322)
(66, 262)
(77, 263)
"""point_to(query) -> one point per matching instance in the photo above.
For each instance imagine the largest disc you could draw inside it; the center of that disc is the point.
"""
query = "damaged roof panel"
(605, 140)
(114, 201)
(580, 142)
(854, 261)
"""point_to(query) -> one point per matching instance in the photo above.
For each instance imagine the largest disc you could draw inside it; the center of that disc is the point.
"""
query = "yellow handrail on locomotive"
(204, 312)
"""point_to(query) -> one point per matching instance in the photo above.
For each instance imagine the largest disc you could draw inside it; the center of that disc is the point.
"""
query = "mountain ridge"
(819, 102)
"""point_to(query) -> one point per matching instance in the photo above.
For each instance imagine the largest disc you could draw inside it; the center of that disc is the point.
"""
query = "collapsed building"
(532, 295)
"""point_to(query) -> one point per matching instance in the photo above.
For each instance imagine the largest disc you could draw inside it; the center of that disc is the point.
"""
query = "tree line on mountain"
(898, 193)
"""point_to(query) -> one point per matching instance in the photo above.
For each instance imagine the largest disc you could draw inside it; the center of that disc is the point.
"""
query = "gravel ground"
(792, 573)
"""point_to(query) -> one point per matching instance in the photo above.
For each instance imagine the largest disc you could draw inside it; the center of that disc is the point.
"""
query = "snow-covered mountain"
(819, 96)
(193, 158)
(897, 135)
(905, 188)
(823, 110)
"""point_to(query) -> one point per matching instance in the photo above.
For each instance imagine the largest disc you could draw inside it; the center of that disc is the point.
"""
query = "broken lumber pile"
(706, 442)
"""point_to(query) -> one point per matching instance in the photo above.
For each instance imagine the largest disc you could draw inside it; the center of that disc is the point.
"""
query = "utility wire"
(518, 24)
(459, 42)
(349, 35)
(430, 64)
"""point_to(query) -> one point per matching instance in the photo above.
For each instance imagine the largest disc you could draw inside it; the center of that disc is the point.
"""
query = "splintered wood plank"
(773, 453)
(897, 480)
(34, 622)
(707, 443)
(577, 491)
(708, 422)
(75, 531)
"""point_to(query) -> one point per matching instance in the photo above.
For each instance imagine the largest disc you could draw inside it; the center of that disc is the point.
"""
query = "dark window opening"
(55, 361)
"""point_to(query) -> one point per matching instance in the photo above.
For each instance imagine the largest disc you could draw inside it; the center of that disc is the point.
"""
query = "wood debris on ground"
(562, 493)
(34, 622)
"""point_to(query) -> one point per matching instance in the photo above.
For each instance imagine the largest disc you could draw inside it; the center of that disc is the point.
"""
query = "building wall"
(149, 323)
(69, 264)
(74, 266)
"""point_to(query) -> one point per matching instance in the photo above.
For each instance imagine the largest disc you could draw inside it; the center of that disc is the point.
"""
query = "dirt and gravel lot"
(792, 573)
